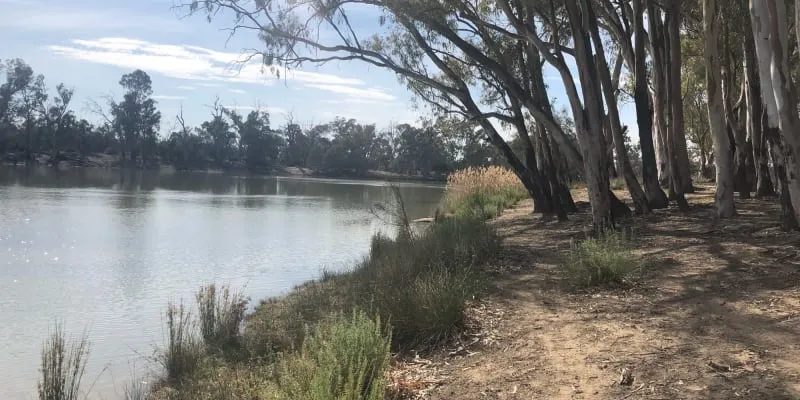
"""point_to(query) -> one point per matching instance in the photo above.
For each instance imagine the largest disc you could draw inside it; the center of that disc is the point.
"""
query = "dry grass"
(482, 192)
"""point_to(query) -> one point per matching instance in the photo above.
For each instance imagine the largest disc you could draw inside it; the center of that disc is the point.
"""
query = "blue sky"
(90, 44)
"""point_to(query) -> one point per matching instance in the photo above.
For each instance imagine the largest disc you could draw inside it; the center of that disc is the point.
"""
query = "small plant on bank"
(603, 260)
(345, 359)
(221, 312)
(184, 352)
(63, 366)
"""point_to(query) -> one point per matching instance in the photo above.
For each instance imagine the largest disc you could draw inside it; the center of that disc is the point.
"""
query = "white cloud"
(369, 93)
(168, 97)
(187, 88)
(208, 68)
(237, 91)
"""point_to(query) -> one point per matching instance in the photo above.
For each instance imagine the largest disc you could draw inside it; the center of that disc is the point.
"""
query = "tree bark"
(756, 119)
(615, 127)
(644, 117)
(723, 200)
(677, 133)
(674, 131)
(592, 139)
(770, 33)
(788, 220)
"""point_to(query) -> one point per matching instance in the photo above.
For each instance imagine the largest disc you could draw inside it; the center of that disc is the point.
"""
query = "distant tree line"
(36, 127)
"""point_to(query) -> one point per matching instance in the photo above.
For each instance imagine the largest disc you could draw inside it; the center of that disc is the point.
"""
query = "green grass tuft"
(599, 261)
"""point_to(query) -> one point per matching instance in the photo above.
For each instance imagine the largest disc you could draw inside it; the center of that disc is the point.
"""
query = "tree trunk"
(723, 200)
(545, 203)
(734, 118)
(677, 133)
(530, 178)
(592, 139)
(659, 136)
(764, 185)
(770, 33)
(615, 127)
(644, 117)
(788, 220)
(660, 115)
(756, 118)
(676, 182)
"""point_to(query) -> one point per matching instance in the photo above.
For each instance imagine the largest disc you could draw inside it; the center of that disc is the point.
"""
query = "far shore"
(104, 161)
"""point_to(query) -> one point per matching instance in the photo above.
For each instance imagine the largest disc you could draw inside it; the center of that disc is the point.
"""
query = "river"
(105, 251)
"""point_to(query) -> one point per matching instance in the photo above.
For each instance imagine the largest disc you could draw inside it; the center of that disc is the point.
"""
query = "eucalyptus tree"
(723, 200)
(58, 117)
(623, 22)
(135, 119)
(771, 37)
(438, 48)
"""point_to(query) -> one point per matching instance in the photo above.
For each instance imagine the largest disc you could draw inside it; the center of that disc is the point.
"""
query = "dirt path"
(714, 314)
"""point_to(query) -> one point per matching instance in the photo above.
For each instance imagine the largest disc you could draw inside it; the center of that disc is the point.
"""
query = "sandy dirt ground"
(714, 313)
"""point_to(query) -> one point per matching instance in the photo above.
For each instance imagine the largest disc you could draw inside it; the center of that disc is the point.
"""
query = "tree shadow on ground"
(714, 314)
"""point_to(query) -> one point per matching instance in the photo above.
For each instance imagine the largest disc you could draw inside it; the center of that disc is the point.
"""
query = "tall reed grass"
(221, 312)
(482, 192)
(184, 352)
(63, 366)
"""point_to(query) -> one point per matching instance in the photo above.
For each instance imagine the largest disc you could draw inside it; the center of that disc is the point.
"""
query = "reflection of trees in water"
(344, 195)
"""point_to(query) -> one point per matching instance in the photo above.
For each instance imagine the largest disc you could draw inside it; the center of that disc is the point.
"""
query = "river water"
(104, 251)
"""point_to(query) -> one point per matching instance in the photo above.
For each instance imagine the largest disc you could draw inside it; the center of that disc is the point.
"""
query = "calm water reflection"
(105, 251)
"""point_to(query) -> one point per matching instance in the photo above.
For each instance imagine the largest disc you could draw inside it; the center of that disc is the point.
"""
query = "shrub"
(63, 366)
(482, 192)
(221, 314)
(184, 351)
(420, 286)
(602, 260)
(343, 360)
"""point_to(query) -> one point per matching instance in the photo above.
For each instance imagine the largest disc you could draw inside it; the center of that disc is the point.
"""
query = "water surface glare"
(105, 251)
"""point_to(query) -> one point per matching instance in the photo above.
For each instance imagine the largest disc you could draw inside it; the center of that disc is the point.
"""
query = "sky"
(90, 44)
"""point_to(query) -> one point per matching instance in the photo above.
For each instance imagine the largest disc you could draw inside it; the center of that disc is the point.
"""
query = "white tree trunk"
(723, 160)
(771, 34)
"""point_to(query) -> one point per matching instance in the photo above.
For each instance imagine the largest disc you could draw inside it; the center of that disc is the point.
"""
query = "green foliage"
(63, 366)
(603, 260)
(136, 119)
(345, 359)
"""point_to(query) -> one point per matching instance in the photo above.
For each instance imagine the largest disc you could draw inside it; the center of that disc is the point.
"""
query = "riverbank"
(332, 337)
(712, 314)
